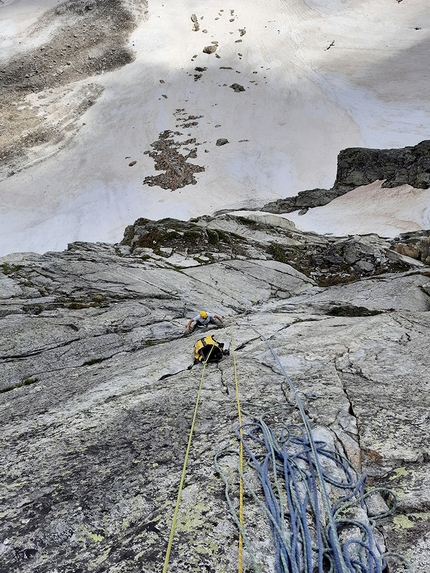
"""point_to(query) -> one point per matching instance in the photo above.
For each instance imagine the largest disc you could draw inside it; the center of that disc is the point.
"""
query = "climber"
(203, 319)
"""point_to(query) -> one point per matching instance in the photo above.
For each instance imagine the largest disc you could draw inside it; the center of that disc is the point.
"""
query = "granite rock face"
(358, 166)
(98, 388)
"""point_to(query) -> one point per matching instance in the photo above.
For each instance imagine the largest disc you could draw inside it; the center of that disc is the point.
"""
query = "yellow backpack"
(208, 349)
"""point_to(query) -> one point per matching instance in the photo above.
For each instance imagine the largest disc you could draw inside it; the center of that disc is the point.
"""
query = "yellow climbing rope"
(184, 470)
(239, 414)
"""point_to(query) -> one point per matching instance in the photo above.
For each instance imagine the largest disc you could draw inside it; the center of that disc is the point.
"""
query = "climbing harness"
(298, 474)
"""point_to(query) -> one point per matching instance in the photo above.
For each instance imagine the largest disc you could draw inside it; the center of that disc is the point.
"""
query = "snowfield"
(313, 77)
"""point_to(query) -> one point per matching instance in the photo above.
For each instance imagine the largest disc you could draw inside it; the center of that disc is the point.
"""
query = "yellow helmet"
(203, 314)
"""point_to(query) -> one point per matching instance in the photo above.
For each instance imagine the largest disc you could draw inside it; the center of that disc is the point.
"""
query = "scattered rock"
(210, 49)
(415, 244)
(221, 141)
(237, 88)
(196, 25)
(178, 172)
(82, 43)
(132, 163)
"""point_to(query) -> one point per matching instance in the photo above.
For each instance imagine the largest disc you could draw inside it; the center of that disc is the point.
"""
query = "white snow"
(370, 207)
(330, 74)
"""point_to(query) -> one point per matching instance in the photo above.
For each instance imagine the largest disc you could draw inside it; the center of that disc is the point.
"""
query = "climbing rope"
(311, 534)
(239, 415)
(184, 468)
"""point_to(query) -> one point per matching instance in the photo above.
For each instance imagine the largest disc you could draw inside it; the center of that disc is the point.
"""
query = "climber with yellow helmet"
(203, 319)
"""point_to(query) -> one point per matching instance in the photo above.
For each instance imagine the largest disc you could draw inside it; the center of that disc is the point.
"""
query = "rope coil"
(297, 475)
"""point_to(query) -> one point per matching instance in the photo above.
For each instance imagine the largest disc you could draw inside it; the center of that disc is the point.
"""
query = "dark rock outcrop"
(358, 166)
(327, 260)
(408, 165)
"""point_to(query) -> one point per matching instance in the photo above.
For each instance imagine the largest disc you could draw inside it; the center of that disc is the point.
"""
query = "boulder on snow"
(237, 88)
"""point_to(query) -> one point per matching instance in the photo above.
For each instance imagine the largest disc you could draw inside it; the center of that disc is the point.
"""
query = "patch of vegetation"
(75, 305)
(213, 237)
(99, 300)
(278, 253)
(333, 280)
(9, 269)
(192, 236)
(351, 310)
(226, 237)
(26, 382)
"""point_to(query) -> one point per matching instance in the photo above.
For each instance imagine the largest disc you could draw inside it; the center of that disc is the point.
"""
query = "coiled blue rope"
(311, 533)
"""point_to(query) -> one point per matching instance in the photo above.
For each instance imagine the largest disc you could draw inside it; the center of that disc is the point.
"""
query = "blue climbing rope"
(312, 533)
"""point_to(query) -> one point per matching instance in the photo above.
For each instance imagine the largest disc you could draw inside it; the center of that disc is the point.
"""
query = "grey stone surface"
(98, 391)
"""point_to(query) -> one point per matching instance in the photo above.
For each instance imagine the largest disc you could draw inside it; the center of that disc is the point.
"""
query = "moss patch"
(351, 310)
(9, 269)
(26, 382)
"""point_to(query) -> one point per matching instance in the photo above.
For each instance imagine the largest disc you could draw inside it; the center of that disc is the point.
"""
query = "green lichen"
(421, 516)
(96, 537)
(208, 550)
(193, 519)
(99, 560)
(400, 472)
(403, 522)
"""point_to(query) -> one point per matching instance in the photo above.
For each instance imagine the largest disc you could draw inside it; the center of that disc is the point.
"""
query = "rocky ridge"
(358, 166)
(97, 392)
